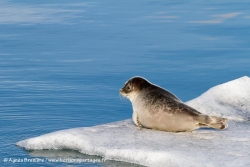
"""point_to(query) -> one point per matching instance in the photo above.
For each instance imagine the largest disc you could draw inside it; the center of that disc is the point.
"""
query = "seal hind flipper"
(212, 121)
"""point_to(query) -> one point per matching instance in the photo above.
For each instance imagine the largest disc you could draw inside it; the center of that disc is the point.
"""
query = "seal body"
(157, 108)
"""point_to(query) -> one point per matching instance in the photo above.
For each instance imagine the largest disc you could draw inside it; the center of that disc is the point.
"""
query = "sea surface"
(62, 63)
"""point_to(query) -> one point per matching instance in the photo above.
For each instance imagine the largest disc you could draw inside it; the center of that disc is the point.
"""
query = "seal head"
(133, 87)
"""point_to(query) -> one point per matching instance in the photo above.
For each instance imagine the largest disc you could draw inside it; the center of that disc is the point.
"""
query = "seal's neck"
(132, 96)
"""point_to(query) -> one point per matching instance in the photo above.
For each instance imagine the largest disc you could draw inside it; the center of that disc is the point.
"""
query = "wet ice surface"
(123, 141)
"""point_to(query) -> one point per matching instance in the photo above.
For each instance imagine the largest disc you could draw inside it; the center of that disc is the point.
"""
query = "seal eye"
(128, 87)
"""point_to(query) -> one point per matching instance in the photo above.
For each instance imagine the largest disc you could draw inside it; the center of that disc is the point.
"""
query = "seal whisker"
(122, 98)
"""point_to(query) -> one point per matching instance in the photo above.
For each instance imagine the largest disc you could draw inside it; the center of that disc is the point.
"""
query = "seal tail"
(212, 121)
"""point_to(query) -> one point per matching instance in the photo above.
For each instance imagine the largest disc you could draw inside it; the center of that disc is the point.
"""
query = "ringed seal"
(157, 108)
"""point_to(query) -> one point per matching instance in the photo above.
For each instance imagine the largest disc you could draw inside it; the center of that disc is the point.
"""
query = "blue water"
(63, 62)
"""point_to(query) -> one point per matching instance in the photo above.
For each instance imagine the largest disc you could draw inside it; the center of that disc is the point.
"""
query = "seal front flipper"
(138, 123)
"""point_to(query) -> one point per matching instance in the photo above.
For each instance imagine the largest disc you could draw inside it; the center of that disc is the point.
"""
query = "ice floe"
(123, 141)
